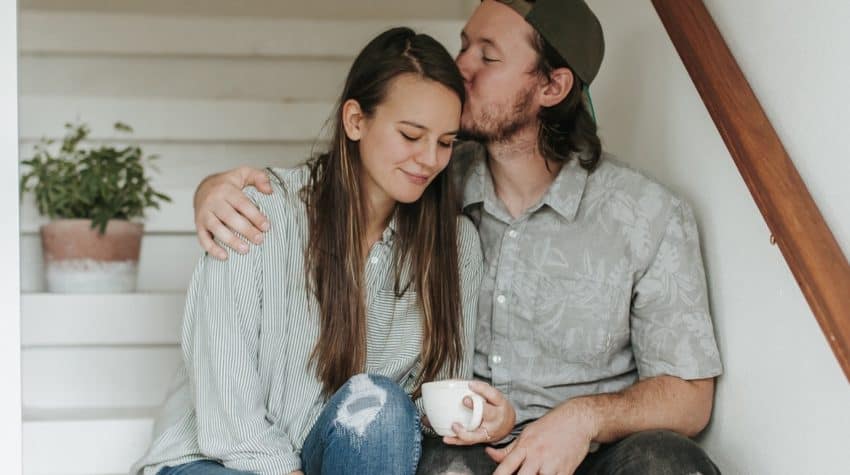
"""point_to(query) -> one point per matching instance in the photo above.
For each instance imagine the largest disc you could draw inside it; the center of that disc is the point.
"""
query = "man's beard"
(499, 124)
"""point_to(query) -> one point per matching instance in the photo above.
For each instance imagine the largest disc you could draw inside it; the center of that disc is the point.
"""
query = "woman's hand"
(497, 421)
(222, 208)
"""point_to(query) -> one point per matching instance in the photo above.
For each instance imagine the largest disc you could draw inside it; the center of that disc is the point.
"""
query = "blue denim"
(369, 426)
(201, 467)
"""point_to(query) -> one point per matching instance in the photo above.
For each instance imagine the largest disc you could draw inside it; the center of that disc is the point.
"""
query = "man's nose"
(464, 65)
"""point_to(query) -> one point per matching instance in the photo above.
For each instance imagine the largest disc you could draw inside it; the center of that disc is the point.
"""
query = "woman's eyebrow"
(422, 127)
(413, 124)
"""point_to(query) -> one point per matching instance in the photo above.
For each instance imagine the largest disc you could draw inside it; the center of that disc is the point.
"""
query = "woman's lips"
(416, 179)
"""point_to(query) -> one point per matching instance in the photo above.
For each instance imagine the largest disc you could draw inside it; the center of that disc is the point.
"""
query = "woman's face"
(408, 140)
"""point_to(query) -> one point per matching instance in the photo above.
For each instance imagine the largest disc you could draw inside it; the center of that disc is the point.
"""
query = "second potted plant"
(95, 198)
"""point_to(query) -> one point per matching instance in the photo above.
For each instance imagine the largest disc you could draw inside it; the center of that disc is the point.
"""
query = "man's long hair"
(567, 129)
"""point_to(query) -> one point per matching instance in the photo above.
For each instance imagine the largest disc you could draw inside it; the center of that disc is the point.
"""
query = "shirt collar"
(390, 231)
(477, 179)
(563, 196)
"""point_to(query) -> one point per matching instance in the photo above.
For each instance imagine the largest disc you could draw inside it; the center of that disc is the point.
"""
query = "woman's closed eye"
(441, 143)
(410, 138)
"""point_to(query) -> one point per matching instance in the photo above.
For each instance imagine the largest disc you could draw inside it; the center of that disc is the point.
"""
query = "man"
(593, 329)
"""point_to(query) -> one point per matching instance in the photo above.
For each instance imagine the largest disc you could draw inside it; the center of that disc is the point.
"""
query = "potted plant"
(95, 197)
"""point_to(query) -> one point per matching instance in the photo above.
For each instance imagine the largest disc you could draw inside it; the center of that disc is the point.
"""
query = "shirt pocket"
(580, 321)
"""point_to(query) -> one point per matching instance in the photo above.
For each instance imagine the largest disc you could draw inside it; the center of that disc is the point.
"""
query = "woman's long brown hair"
(426, 257)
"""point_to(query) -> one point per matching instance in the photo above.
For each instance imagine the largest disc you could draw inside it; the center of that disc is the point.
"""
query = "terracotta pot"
(78, 259)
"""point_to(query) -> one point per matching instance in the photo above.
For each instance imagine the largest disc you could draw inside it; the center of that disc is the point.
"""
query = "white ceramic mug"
(444, 405)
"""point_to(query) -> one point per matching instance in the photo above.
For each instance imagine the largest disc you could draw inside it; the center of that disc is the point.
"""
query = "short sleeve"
(671, 328)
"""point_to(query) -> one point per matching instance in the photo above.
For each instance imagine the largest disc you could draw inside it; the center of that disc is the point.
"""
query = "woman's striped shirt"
(244, 395)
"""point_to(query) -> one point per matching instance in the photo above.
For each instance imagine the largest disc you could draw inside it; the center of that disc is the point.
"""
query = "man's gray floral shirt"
(598, 285)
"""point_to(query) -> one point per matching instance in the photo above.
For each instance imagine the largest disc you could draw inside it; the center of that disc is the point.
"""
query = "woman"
(304, 355)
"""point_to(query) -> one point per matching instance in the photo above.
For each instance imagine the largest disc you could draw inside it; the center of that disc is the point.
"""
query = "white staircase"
(205, 92)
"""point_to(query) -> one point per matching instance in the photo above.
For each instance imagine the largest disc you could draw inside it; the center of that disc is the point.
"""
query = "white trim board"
(351, 10)
(109, 34)
(173, 120)
(10, 280)
(98, 377)
(85, 447)
(267, 79)
(101, 319)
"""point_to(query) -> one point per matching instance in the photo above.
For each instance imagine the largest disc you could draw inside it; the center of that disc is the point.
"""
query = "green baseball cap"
(571, 27)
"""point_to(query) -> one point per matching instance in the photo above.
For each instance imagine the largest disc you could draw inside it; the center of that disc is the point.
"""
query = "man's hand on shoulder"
(556, 443)
(221, 208)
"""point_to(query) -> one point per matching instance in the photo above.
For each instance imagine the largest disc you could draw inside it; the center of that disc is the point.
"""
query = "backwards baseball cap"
(571, 28)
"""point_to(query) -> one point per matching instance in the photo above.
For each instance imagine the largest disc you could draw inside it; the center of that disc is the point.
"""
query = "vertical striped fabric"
(245, 395)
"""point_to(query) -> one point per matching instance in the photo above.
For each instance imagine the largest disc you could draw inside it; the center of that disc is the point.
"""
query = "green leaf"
(122, 127)
(90, 182)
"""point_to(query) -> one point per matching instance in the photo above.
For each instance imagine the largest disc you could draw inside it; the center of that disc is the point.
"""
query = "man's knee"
(659, 453)
(441, 459)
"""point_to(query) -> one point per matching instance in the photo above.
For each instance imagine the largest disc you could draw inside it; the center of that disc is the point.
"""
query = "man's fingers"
(209, 245)
(237, 223)
(499, 454)
(225, 236)
(491, 394)
(260, 180)
(258, 222)
(512, 462)
(529, 467)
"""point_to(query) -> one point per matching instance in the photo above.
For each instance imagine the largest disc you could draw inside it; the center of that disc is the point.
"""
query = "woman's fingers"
(467, 437)
(491, 394)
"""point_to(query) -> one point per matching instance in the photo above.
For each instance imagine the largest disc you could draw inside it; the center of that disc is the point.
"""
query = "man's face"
(498, 62)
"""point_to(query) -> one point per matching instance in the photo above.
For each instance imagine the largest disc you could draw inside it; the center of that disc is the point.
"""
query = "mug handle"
(477, 411)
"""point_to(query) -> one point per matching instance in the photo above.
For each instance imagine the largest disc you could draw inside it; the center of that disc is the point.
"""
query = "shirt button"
(374, 260)
(512, 233)
(501, 299)
(496, 359)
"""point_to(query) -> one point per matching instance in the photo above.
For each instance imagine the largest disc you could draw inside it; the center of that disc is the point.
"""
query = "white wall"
(783, 404)
(10, 357)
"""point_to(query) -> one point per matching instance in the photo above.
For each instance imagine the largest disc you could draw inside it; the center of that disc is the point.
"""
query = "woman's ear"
(559, 86)
(352, 120)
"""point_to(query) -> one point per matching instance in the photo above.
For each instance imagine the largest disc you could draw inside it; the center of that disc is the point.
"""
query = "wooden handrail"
(809, 248)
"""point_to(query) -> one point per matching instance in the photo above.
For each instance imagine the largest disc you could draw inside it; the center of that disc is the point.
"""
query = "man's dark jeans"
(644, 453)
